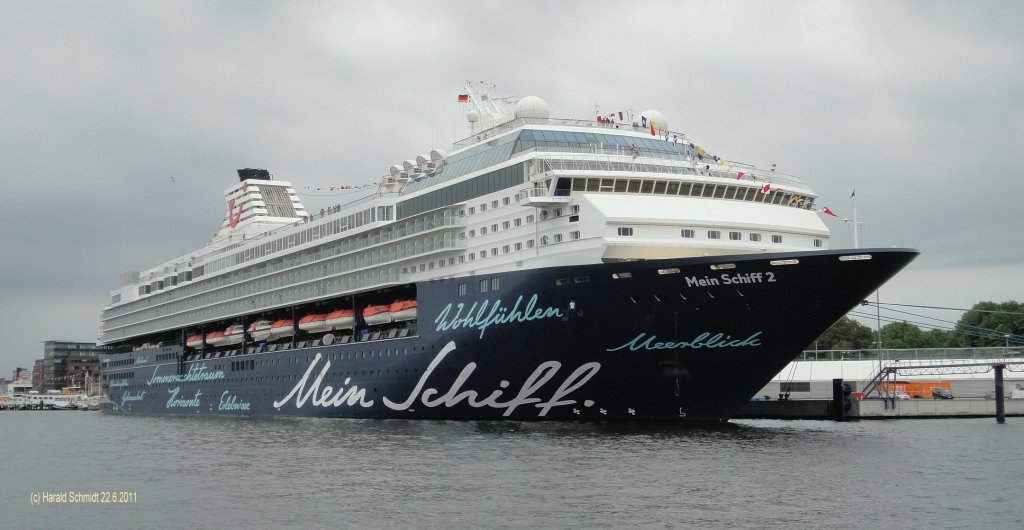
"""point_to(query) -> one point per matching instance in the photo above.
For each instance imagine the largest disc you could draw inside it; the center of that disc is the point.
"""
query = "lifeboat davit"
(216, 338)
(341, 319)
(314, 323)
(281, 328)
(194, 341)
(375, 315)
(259, 330)
(403, 310)
(234, 334)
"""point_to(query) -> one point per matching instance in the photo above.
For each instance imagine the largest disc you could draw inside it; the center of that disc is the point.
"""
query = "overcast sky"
(121, 123)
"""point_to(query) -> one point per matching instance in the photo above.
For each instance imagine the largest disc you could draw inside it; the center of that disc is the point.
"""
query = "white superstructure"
(523, 191)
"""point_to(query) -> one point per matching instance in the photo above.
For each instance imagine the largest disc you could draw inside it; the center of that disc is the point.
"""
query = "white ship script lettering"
(323, 397)
(704, 340)
(544, 373)
(480, 318)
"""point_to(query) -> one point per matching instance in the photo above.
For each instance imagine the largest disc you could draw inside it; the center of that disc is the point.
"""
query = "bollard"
(838, 400)
(1000, 412)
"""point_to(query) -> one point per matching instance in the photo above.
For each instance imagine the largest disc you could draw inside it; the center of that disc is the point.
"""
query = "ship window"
(755, 237)
(472, 233)
(506, 201)
(483, 230)
(483, 254)
(593, 184)
(519, 221)
(483, 286)
(494, 251)
(472, 257)
(562, 281)
(494, 203)
(530, 243)
(625, 231)
(581, 279)
(472, 210)
(506, 225)
(647, 186)
(495, 283)
(483, 207)
(621, 185)
(505, 249)
(579, 184)
(735, 236)
(494, 227)
(558, 238)
(685, 188)
(659, 187)
(776, 238)
(817, 243)
(574, 235)
(714, 234)
(519, 246)
(709, 190)
(687, 233)
(529, 218)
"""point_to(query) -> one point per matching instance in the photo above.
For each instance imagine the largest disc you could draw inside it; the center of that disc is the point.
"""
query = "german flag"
(463, 98)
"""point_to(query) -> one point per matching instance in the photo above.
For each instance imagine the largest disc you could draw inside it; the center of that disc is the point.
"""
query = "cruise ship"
(540, 269)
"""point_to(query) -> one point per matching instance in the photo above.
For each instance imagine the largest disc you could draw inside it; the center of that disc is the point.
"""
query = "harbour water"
(310, 473)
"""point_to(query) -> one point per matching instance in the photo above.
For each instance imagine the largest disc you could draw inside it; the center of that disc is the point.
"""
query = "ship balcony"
(540, 197)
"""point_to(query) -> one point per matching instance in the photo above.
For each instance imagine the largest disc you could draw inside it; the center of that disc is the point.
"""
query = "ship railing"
(622, 161)
(890, 355)
(397, 230)
(564, 122)
(354, 279)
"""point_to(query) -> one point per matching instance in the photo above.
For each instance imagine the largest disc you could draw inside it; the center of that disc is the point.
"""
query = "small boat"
(281, 328)
(403, 310)
(194, 341)
(216, 338)
(234, 334)
(377, 314)
(314, 323)
(260, 330)
(341, 319)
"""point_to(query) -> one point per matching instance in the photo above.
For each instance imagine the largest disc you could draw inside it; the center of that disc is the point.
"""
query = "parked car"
(943, 393)
(899, 394)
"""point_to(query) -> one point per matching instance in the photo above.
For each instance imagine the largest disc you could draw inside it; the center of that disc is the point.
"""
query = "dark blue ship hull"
(685, 339)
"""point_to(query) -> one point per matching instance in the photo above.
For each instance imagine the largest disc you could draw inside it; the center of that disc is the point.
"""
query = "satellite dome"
(473, 116)
(532, 107)
(660, 122)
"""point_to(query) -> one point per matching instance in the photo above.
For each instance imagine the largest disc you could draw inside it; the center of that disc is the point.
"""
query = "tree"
(846, 334)
(898, 335)
(988, 324)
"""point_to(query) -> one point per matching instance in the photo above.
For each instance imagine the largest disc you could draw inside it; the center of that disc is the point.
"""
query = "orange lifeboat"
(403, 310)
(314, 323)
(260, 330)
(216, 338)
(234, 334)
(377, 314)
(194, 341)
(281, 328)
(341, 319)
